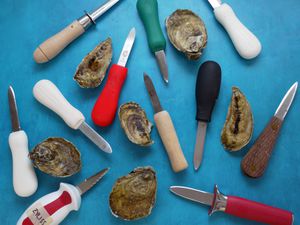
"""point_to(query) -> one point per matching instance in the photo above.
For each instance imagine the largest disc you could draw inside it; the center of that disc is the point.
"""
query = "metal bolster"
(86, 20)
(219, 203)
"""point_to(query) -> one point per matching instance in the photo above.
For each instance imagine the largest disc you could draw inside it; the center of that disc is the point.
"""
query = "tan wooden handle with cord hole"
(169, 138)
(55, 44)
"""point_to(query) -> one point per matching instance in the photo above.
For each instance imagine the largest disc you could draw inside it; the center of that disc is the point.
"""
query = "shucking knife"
(166, 130)
(207, 91)
(24, 178)
(148, 11)
(236, 206)
(55, 44)
(256, 160)
(105, 108)
(49, 95)
(245, 42)
(53, 208)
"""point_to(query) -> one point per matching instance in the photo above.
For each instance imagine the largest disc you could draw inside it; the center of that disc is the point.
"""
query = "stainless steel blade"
(127, 48)
(102, 9)
(200, 140)
(193, 194)
(95, 137)
(87, 184)
(286, 102)
(163, 66)
(153, 96)
(15, 123)
(215, 3)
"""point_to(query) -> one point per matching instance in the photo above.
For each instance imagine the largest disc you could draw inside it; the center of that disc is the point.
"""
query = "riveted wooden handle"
(169, 138)
(256, 160)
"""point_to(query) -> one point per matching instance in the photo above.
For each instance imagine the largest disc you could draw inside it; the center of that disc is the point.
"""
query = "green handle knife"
(148, 12)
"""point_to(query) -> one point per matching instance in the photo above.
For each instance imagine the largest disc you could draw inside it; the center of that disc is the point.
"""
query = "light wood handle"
(169, 138)
(54, 45)
(256, 160)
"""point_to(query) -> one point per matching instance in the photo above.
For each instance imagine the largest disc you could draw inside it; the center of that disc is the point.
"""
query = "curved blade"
(127, 48)
(13, 110)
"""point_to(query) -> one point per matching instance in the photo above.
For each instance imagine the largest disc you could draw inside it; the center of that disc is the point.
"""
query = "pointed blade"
(162, 62)
(215, 3)
(199, 147)
(87, 184)
(127, 48)
(102, 9)
(286, 102)
(193, 194)
(152, 93)
(13, 110)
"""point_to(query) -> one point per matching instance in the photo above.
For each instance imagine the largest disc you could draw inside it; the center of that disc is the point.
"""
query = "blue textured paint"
(25, 23)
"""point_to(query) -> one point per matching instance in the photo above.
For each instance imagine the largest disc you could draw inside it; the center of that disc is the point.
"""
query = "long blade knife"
(54, 207)
(236, 206)
(54, 45)
(105, 108)
(256, 160)
(49, 95)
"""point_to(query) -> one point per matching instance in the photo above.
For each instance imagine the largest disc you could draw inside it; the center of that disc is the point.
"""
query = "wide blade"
(13, 110)
(127, 48)
(193, 194)
(199, 147)
(215, 3)
(87, 184)
(95, 137)
(286, 102)
(162, 62)
(153, 96)
(102, 9)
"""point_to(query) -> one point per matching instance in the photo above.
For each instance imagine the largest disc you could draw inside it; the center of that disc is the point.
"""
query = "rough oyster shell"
(135, 123)
(238, 128)
(133, 196)
(187, 33)
(92, 69)
(56, 157)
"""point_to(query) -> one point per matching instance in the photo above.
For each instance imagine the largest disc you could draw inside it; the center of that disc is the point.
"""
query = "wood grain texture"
(169, 138)
(256, 160)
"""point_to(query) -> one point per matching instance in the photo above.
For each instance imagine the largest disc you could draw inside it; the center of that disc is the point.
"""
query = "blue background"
(264, 80)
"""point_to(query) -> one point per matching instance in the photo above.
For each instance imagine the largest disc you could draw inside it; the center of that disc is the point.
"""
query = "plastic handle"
(148, 11)
(258, 212)
(48, 94)
(207, 89)
(245, 42)
(106, 106)
(53, 208)
(24, 178)
(54, 45)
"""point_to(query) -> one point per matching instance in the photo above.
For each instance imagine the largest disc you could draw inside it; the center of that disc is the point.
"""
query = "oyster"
(187, 33)
(56, 157)
(135, 123)
(92, 69)
(238, 128)
(133, 196)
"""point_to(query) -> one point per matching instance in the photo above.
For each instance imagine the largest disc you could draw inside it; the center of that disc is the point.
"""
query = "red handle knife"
(106, 106)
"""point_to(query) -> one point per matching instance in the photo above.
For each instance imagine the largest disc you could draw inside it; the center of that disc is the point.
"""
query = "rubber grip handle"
(148, 12)
(24, 178)
(258, 212)
(106, 106)
(55, 44)
(207, 89)
(245, 42)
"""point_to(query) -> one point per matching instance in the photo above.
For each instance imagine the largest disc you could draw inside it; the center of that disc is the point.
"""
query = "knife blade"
(105, 108)
(236, 206)
(152, 93)
(15, 123)
(257, 159)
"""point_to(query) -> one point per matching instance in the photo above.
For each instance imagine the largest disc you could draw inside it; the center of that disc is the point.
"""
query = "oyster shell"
(187, 33)
(238, 128)
(92, 69)
(56, 157)
(135, 123)
(133, 195)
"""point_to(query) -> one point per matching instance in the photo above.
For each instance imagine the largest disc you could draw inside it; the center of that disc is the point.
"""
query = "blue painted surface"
(24, 24)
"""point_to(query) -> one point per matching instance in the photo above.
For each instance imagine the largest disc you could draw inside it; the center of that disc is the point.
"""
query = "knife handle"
(169, 138)
(24, 178)
(55, 44)
(148, 12)
(106, 105)
(256, 160)
(245, 42)
(258, 212)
